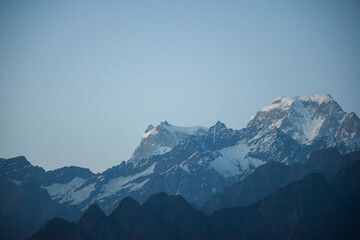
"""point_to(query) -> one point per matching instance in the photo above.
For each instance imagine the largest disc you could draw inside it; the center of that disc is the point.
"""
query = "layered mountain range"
(197, 162)
(270, 177)
(310, 208)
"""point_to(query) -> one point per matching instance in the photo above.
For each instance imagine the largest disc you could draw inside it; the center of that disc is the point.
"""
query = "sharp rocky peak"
(165, 123)
(16, 161)
(217, 127)
(197, 162)
(149, 128)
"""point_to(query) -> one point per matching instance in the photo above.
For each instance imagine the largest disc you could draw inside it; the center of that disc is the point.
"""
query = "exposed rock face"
(310, 208)
(271, 176)
(197, 162)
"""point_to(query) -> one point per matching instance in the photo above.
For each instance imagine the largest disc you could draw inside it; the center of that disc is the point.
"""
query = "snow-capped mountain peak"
(218, 126)
(218, 129)
(162, 138)
(196, 162)
(151, 130)
(306, 118)
(197, 130)
(288, 103)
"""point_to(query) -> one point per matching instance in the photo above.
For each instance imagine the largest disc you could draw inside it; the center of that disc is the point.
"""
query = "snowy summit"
(162, 138)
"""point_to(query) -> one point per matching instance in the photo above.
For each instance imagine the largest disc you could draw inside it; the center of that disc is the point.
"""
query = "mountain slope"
(26, 207)
(134, 222)
(197, 162)
(347, 185)
(310, 208)
(264, 180)
(177, 216)
(271, 176)
(161, 139)
(306, 209)
(311, 120)
(161, 217)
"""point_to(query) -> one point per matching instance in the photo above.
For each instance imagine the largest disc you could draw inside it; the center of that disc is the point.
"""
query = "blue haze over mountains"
(197, 162)
(80, 81)
(310, 208)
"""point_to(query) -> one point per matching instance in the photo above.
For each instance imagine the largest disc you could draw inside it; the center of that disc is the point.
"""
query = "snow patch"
(193, 155)
(311, 128)
(151, 132)
(233, 161)
(187, 130)
(174, 129)
(185, 167)
(82, 194)
(119, 183)
(170, 169)
(69, 192)
(137, 186)
(282, 103)
(161, 150)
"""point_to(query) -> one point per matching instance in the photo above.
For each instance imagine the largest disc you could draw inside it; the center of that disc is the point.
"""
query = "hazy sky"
(81, 80)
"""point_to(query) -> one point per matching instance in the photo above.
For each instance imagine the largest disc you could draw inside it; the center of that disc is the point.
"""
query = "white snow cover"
(233, 161)
(300, 117)
(136, 186)
(282, 103)
(150, 145)
(151, 132)
(285, 102)
(119, 183)
(305, 125)
(82, 194)
(174, 129)
(71, 191)
(318, 98)
(188, 130)
(161, 150)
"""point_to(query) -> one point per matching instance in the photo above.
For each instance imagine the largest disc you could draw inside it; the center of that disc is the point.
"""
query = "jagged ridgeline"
(197, 162)
(310, 208)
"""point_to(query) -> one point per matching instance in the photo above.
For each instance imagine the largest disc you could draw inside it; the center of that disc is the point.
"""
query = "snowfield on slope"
(234, 161)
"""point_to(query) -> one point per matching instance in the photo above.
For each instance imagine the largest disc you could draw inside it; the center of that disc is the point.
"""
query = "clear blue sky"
(81, 80)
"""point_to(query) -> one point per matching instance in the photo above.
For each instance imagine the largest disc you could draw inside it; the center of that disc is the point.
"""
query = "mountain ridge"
(197, 162)
(271, 176)
(311, 208)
